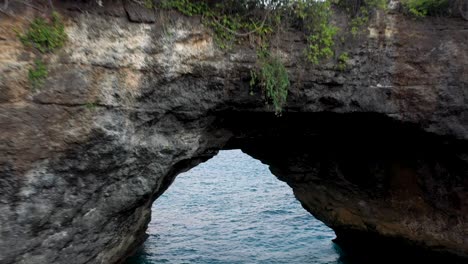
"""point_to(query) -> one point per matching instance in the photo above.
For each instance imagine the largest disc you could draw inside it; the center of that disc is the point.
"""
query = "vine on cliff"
(231, 21)
(257, 21)
(273, 77)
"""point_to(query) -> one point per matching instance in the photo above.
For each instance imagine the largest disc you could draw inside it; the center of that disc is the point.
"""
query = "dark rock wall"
(373, 180)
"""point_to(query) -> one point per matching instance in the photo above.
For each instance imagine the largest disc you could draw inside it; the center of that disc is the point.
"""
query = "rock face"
(378, 152)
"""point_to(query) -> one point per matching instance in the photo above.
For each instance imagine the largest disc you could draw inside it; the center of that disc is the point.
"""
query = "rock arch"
(377, 152)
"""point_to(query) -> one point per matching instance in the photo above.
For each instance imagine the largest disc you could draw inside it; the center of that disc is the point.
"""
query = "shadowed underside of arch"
(381, 185)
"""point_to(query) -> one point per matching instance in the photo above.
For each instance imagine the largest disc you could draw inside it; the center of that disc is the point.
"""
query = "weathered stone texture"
(379, 148)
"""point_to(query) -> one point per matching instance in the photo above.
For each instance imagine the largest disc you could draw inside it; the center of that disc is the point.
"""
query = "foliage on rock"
(343, 61)
(321, 32)
(231, 21)
(45, 35)
(360, 12)
(423, 8)
(37, 74)
(273, 77)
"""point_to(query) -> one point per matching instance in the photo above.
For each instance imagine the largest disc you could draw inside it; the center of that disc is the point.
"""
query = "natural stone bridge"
(378, 152)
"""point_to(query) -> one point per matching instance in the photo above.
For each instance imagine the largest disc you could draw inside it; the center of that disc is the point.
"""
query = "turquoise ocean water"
(231, 209)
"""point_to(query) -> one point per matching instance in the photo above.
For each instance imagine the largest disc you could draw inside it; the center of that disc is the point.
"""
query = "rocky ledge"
(378, 151)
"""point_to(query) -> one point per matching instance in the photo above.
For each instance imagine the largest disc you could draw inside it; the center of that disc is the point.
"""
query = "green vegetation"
(320, 41)
(320, 44)
(359, 21)
(225, 19)
(343, 61)
(45, 35)
(186, 7)
(233, 21)
(422, 8)
(360, 12)
(37, 74)
(273, 77)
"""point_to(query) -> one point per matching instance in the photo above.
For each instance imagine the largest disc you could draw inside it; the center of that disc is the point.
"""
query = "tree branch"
(246, 34)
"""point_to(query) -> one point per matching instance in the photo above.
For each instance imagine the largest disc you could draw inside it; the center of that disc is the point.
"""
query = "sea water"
(231, 209)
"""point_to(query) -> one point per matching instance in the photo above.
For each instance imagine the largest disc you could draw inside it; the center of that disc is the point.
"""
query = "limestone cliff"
(378, 152)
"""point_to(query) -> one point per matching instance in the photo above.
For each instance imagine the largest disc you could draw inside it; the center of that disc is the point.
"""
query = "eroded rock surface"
(377, 149)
